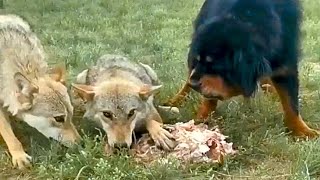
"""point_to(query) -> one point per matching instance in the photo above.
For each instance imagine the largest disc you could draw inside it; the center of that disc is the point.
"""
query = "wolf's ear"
(25, 86)
(148, 90)
(152, 74)
(82, 77)
(58, 74)
(85, 92)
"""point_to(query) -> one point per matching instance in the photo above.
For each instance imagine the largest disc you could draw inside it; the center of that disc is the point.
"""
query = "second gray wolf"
(119, 94)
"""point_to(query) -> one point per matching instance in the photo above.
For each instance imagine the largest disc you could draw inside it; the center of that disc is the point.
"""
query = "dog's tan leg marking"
(20, 159)
(160, 136)
(177, 99)
(293, 120)
(206, 107)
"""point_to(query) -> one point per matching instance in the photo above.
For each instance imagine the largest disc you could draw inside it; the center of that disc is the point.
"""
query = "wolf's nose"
(120, 145)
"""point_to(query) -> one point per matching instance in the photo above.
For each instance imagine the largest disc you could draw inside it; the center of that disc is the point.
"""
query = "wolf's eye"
(107, 114)
(131, 113)
(59, 119)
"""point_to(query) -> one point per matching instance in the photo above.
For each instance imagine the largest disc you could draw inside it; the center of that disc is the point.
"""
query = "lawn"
(158, 32)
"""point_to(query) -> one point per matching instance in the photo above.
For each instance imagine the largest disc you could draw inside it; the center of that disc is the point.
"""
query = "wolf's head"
(119, 105)
(46, 106)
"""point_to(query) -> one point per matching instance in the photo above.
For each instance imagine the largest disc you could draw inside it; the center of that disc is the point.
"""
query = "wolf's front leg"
(20, 159)
(160, 136)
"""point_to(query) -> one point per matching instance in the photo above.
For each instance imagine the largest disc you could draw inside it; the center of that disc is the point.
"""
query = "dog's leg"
(19, 157)
(288, 90)
(160, 136)
(206, 107)
(179, 97)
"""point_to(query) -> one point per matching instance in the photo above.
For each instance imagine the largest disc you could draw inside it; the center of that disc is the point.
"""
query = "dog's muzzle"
(195, 85)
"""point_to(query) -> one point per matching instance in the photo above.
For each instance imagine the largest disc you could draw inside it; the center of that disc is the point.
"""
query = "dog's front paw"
(313, 133)
(20, 159)
(307, 133)
(160, 136)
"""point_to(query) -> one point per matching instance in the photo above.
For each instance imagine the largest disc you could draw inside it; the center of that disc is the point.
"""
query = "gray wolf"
(236, 44)
(29, 90)
(119, 93)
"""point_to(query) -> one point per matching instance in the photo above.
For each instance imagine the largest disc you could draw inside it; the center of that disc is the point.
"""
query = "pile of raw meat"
(195, 143)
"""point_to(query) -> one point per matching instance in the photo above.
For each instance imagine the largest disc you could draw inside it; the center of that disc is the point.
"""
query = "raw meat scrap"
(195, 143)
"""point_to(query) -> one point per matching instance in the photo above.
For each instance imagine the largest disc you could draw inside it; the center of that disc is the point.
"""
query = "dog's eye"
(59, 119)
(131, 113)
(107, 114)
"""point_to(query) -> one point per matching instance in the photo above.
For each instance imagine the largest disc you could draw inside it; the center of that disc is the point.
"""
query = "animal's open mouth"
(212, 97)
(123, 147)
(122, 150)
(207, 96)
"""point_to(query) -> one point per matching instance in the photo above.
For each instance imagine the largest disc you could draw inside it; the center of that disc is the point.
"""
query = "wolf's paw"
(171, 109)
(20, 159)
(163, 138)
(160, 136)
(26, 106)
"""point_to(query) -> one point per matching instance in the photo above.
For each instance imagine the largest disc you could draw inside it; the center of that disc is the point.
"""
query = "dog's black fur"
(247, 40)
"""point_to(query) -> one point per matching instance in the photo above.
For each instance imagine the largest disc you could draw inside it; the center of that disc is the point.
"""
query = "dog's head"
(119, 105)
(229, 53)
(46, 106)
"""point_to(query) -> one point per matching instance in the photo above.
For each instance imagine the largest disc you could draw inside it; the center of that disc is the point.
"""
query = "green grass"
(158, 32)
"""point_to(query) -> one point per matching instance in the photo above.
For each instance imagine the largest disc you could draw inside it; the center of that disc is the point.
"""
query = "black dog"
(236, 44)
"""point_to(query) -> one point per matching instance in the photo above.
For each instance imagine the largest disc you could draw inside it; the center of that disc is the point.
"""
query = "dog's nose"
(120, 145)
(194, 84)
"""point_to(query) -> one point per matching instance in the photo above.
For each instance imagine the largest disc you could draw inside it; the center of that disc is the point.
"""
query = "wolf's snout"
(70, 137)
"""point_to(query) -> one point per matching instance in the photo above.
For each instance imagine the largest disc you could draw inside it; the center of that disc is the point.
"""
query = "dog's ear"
(85, 92)
(25, 86)
(147, 90)
(58, 74)
(250, 66)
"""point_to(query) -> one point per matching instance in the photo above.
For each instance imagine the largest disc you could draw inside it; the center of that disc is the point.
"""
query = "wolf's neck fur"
(22, 52)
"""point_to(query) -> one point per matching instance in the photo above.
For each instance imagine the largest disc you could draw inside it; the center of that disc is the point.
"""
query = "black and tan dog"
(236, 44)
